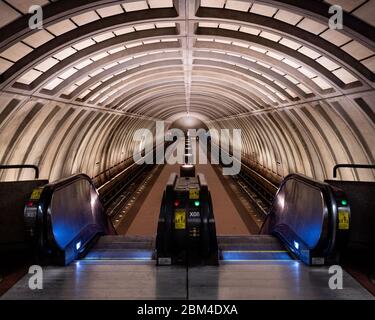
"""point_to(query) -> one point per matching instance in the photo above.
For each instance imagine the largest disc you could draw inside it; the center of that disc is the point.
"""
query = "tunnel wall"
(62, 139)
(310, 138)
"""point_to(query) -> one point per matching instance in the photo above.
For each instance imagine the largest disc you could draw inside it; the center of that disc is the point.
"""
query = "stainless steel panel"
(269, 280)
(106, 280)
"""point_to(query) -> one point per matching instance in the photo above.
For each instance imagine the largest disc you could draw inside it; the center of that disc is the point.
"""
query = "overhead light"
(187, 165)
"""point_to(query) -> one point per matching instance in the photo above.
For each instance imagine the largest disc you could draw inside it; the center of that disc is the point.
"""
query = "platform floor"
(88, 279)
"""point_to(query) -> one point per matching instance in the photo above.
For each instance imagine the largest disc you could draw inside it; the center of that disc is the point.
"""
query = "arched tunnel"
(79, 79)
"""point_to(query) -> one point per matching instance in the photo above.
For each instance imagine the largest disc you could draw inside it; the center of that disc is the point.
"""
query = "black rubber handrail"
(68, 180)
(353, 166)
(21, 166)
(301, 177)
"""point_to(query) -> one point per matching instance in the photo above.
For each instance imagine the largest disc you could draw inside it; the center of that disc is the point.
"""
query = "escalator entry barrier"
(360, 249)
(186, 229)
(14, 195)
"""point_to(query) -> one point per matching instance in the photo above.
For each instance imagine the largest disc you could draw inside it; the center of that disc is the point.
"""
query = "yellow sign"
(343, 220)
(36, 194)
(194, 194)
(180, 219)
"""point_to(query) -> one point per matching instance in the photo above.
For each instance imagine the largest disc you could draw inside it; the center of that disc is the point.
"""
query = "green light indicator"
(197, 203)
(344, 202)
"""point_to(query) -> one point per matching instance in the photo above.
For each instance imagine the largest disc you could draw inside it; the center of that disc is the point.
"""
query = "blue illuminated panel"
(255, 255)
(143, 255)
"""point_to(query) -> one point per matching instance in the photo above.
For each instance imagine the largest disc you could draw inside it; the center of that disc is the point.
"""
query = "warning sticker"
(180, 219)
(343, 220)
(36, 194)
(194, 194)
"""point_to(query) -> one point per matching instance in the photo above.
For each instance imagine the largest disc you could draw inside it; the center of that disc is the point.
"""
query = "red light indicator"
(29, 204)
(177, 203)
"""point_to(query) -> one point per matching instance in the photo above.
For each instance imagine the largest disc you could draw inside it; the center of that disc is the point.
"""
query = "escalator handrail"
(66, 181)
(306, 179)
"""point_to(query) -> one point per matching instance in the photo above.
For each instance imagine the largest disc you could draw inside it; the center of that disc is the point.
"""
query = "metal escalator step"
(125, 239)
(120, 254)
(254, 242)
(233, 248)
(122, 248)
(255, 255)
(252, 248)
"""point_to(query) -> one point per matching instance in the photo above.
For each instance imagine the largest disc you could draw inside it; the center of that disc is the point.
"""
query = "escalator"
(307, 221)
(306, 226)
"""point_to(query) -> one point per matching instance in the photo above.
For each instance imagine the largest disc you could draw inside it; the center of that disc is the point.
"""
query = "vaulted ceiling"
(163, 58)
(217, 60)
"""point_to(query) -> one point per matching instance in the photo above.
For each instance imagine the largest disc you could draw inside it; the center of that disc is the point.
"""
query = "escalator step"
(120, 254)
(122, 248)
(234, 255)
